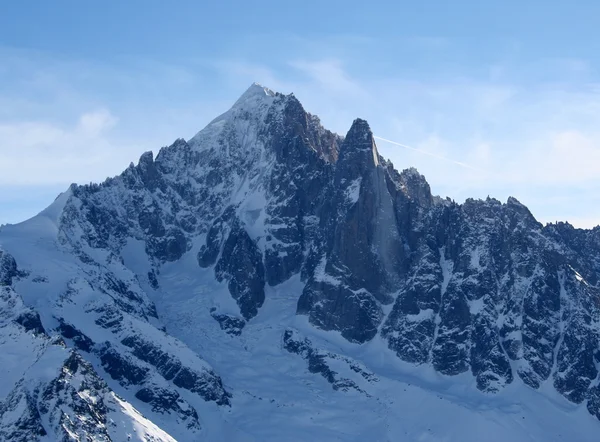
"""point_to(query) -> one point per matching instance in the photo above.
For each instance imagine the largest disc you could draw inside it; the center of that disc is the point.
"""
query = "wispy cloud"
(39, 152)
(240, 74)
(330, 75)
(430, 154)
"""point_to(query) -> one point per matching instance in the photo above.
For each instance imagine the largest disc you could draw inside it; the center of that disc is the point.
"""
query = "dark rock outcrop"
(30, 320)
(197, 380)
(238, 261)
(319, 363)
(8, 268)
(170, 402)
(229, 324)
(80, 340)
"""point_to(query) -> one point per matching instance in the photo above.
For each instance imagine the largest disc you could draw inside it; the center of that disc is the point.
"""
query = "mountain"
(269, 279)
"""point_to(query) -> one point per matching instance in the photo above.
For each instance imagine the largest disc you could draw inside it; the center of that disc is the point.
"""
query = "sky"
(509, 88)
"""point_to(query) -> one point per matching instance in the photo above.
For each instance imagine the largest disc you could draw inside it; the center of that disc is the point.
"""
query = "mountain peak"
(256, 220)
(255, 92)
(359, 141)
(254, 104)
(360, 130)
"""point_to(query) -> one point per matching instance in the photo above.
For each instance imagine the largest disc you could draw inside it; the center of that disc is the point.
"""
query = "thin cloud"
(242, 74)
(41, 153)
(431, 154)
(330, 75)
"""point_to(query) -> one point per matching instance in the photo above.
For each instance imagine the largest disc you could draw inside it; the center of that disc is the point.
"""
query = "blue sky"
(511, 88)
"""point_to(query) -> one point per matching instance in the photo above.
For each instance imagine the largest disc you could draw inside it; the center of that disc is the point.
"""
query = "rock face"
(320, 362)
(8, 269)
(53, 393)
(238, 260)
(264, 194)
(499, 289)
(74, 405)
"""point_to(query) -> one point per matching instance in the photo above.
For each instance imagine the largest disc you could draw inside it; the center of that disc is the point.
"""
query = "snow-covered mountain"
(271, 280)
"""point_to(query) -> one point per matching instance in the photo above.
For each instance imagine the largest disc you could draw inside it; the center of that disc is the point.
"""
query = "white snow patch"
(447, 267)
(321, 274)
(476, 306)
(353, 191)
(475, 258)
(421, 316)
(134, 425)
(578, 276)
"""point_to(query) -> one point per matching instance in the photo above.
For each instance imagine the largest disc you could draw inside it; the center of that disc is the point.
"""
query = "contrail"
(431, 154)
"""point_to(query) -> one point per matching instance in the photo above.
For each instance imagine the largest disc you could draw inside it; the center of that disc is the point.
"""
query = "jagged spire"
(358, 152)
